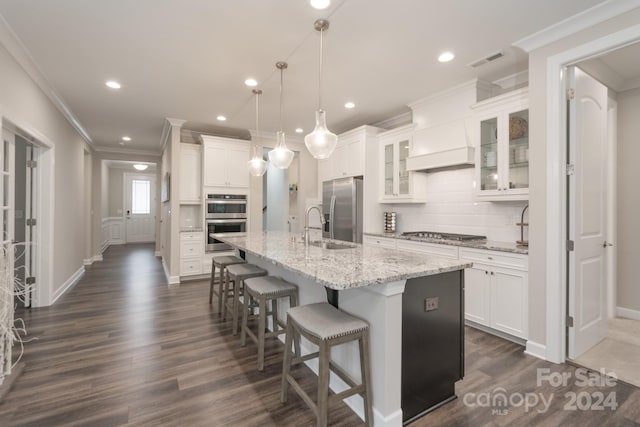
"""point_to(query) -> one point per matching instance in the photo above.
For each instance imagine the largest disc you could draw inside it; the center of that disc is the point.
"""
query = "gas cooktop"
(443, 236)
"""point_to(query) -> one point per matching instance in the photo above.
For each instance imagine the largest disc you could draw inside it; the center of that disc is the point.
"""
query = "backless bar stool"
(221, 262)
(326, 326)
(262, 290)
(238, 273)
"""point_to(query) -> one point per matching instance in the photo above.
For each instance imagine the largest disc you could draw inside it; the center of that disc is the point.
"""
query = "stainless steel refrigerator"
(342, 209)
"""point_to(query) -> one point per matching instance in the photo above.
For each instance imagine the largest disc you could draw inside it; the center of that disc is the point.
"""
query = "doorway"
(140, 206)
(279, 196)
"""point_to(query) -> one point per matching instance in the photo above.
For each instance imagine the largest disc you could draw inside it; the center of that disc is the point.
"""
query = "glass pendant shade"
(321, 142)
(281, 157)
(257, 165)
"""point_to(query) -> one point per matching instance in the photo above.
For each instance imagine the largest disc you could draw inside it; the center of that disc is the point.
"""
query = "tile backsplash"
(451, 208)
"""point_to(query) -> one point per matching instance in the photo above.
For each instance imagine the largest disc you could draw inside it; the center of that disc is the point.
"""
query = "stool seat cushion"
(325, 321)
(244, 270)
(227, 260)
(269, 286)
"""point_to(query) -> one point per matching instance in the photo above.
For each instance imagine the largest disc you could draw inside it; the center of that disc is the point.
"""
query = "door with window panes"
(140, 200)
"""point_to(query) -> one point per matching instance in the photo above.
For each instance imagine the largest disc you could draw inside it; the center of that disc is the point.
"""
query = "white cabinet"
(502, 154)
(225, 163)
(496, 290)
(447, 251)
(385, 242)
(191, 253)
(348, 158)
(397, 184)
(190, 173)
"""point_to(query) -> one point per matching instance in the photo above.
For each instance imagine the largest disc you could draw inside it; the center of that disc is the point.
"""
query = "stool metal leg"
(262, 320)
(365, 369)
(213, 278)
(323, 384)
(286, 362)
(225, 293)
(245, 320)
(220, 286)
(236, 304)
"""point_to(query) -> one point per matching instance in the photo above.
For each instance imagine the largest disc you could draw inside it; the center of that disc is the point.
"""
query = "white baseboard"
(171, 280)
(628, 313)
(157, 253)
(536, 350)
(87, 261)
(68, 284)
(116, 242)
(97, 258)
(105, 246)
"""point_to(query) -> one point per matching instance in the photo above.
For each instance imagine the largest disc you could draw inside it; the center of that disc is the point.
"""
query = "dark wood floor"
(121, 348)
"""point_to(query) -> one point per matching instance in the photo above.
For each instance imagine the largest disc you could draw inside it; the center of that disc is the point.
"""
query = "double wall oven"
(226, 213)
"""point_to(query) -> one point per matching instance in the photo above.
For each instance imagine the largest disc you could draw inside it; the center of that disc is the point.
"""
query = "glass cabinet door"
(519, 149)
(403, 174)
(388, 170)
(489, 154)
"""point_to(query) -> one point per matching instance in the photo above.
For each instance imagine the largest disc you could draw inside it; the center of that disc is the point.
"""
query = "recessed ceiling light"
(299, 130)
(221, 118)
(113, 84)
(320, 4)
(126, 138)
(446, 57)
(140, 167)
(121, 143)
(251, 82)
(349, 105)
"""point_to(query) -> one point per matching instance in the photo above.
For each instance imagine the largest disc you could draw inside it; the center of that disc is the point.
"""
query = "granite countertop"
(476, 244)
(340, 268)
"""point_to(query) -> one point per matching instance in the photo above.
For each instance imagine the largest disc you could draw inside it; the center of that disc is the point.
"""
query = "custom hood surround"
(443, 137)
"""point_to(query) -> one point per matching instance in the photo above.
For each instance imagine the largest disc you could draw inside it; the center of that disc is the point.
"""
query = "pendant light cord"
(281, 78)
(255, 147)
(320, 74)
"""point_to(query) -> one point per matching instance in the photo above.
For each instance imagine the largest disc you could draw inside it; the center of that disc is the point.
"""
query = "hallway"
(121, 348)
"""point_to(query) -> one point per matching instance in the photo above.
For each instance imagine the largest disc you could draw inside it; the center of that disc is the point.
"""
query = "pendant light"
(257, 165)
(321, 142)
(281, 157)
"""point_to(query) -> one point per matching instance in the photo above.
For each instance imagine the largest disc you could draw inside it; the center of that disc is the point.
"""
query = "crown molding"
(114, 150)
(19, 52)
(395, 121)
(513, 80)
(578, 22)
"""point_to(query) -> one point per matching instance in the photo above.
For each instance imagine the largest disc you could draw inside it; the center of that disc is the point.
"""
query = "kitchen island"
(390, 290)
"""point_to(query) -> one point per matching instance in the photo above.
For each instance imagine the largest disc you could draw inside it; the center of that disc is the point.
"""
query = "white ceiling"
(188, 59)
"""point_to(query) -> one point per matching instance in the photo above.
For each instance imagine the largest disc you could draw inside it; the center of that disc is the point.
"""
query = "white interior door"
(587, 212)
(277, 199)
(140, 208)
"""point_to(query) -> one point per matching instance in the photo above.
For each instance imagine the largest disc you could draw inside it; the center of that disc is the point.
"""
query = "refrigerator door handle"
(332, 211)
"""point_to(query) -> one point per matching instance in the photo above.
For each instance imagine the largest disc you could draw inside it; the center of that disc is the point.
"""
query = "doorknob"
(605, 244)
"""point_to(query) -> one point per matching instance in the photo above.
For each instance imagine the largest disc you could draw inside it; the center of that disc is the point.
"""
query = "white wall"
(23, 103)
(628, 238)
(116, 186)
(451, 208)
(539, 145)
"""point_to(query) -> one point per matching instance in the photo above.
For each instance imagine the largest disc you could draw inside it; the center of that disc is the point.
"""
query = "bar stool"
(237, 273)
(221, 262)
(262, 290)
(326, 326)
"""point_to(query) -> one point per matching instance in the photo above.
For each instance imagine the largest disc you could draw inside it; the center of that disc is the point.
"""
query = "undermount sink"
(332, 245)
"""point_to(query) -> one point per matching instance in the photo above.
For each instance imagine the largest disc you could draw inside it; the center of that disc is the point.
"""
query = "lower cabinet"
(191, 252)
(496, 290)
(385, 242)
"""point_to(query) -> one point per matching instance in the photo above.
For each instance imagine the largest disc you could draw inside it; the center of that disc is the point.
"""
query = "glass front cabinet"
(502, 150)
(398, 184)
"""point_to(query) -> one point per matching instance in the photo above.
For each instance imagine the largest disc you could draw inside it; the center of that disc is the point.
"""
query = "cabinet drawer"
(385, 242)
(190, 249)
(429, 248)
(494, 258)
(190, 266)
(191, 236)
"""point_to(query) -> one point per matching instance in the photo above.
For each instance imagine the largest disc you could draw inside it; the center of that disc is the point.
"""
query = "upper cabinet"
(348, 159)
(397, 184)
(225, 163)
(502, 153)
(190, 173)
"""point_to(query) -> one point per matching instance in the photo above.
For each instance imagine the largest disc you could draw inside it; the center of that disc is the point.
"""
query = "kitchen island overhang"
(371, 282)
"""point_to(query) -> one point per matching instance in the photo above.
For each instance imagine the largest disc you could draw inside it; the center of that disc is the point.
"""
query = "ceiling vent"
(487, 59)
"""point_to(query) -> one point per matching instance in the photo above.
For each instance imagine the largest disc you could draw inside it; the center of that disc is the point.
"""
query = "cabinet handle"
(489, 257)
(486, 272)
(492, 273)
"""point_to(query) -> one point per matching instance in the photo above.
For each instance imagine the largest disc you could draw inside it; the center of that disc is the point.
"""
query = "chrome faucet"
(306, 221)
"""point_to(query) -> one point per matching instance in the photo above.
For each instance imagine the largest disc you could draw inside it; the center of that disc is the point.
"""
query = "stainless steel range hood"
(444, 146)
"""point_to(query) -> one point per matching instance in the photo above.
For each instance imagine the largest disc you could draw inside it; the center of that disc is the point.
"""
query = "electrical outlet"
(431, 304)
